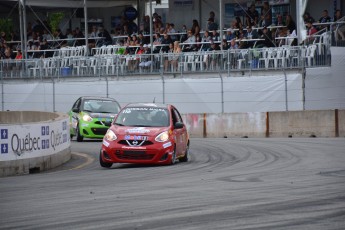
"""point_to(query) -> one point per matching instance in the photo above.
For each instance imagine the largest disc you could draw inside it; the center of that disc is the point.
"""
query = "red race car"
(145, 134)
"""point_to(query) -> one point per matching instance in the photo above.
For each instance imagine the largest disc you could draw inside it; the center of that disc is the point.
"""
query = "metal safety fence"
(226, 61)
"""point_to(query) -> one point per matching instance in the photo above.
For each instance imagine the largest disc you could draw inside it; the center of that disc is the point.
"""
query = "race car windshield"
(143, 117)
(101, 106)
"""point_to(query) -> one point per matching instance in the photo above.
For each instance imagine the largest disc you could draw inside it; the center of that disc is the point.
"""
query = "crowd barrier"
(291, 124)
(33, 141)
(72, 62)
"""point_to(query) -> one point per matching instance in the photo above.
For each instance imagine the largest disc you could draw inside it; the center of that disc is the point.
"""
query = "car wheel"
(185, 157)
(79, 136)
(104, 164)
(173, 157)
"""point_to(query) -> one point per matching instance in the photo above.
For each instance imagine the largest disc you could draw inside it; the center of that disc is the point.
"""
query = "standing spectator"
(167, 61)
(252, 16)
(339, 29)
(195, 27)
(290, 24)
(266, 15)
(212, 25)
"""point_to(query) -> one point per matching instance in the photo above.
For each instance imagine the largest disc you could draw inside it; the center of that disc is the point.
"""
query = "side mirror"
(75, 110)
(178, 125)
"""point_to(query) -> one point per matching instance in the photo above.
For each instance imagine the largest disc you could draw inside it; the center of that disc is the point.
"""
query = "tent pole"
(86, 29)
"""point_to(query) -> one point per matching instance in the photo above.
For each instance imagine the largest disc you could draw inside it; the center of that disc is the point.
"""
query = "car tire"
(173, 157)
(104, 164)
(185, 157)
(79, 136)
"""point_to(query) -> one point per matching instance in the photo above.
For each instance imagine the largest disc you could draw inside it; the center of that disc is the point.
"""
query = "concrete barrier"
(320, 123)
(33, 141)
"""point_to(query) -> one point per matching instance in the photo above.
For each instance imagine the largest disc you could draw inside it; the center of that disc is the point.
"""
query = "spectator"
(165, 43)
(229, 34)
(212, 25)
(105, 38)
(184, 33)
(146, 59)
(233, 44)
(195, 27)
(134, 41)
(172, 32)
(252, 16)
(167, 61)
(190, 42)
(238, 23)
(267, 36)
(225, 45)
(215, 36)
(142, 39)
(307, 17)
(266, 15)
(177, 52)
(324, 19)
(290, 24)
(94, 34)
(79, 37)
(19, 55)
(310, 31)
(157, 42)
(206, 39)
(339, 29)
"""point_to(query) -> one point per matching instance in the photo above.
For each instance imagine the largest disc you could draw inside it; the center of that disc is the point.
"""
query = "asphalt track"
(227, 184)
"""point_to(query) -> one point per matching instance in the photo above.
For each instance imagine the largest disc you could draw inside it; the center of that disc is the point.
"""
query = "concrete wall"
(33, 141)
(319, 123)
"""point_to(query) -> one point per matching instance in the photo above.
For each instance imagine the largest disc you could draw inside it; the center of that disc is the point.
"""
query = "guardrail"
(287, 57)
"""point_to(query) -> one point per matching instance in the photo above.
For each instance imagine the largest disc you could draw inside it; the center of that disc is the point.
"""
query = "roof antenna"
(154, 100)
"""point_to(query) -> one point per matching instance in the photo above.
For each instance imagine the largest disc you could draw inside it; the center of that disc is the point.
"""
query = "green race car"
(90, 117)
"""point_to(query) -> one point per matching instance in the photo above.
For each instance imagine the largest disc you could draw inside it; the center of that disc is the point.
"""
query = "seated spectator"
(157, 42)
(324, 19)
(19, 55)
(225, 45)
(142, 39)
(206, 38)
(146, 59)
(172, 32)
(307, 17)
(190, 42)
(267, 36)
(229, 34)
(165, 43)
(310, 31)
(233, 44)
(215, 36)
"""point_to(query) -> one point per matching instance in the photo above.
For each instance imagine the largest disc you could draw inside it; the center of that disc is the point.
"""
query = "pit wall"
(33, 141)
(318, 123)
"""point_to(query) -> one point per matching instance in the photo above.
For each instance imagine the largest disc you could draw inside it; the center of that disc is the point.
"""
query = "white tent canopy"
(76, 3)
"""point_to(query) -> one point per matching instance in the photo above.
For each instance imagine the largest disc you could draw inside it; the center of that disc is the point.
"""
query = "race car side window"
(176, 116)
(77, 104)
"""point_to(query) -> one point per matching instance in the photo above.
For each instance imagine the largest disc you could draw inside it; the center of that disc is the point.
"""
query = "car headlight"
(87, 117)
(162, 137)
(110, 135)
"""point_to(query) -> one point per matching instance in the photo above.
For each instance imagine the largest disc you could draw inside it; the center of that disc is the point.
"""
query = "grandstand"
(290, 74)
